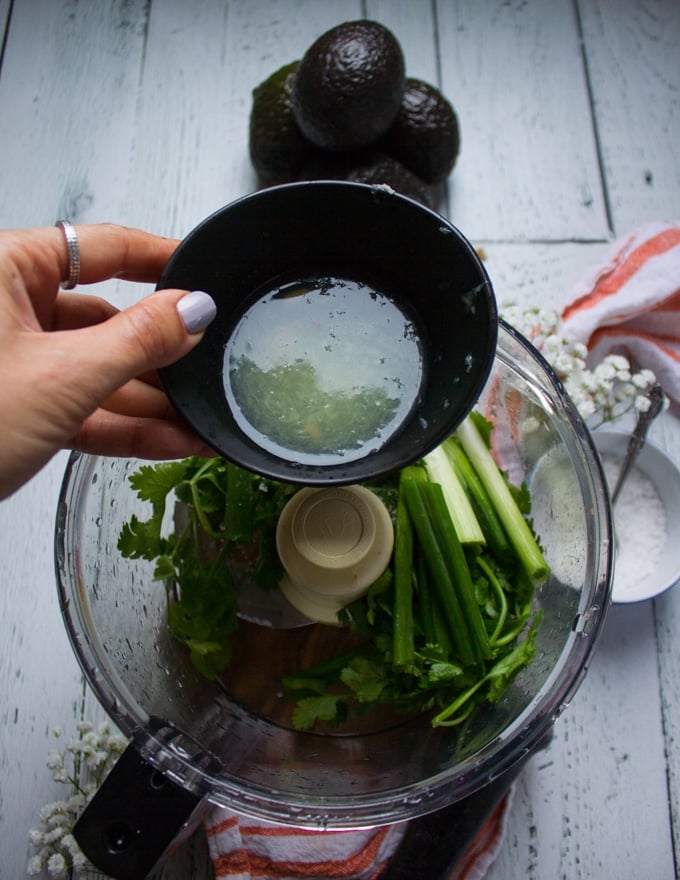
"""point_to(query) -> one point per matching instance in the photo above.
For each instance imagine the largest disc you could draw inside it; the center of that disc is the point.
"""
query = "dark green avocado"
(425, 136)
(349, 86)
(368, 166)
(387, 171)
(277, 146)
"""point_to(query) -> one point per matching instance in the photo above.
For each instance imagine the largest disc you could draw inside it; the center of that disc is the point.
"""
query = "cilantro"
(447, 626)
(312, 709)
(215, 507)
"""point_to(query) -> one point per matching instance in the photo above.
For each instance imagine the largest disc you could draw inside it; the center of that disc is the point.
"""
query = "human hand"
(74, 371)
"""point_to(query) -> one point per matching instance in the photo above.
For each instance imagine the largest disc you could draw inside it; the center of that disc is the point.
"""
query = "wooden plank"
(538, 274)
(69, 113)
(667, 620)
(40, 683)
(528, 167)
(632, 55)
(594, 804)
(65, 147)
(414, 26)
(192, 122)
(575, 807)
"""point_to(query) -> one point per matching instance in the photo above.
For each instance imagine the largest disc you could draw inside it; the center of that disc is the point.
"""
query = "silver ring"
(73, 253)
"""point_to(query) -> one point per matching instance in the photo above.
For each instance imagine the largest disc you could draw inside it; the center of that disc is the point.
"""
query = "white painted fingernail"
(197, 309)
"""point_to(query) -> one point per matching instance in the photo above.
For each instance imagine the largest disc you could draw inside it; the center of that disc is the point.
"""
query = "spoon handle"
(639, 435)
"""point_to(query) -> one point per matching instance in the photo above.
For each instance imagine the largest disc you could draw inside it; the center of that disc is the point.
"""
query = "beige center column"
(333, 544)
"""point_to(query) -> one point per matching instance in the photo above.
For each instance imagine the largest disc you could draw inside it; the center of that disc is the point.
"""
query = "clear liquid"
(322, 370)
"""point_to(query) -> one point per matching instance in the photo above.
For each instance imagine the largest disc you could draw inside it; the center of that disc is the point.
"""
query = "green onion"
(439, 470)
(402, 634)
(453, 554)
(516, 527)
(489, 521)
(426, 603)
(448, 566)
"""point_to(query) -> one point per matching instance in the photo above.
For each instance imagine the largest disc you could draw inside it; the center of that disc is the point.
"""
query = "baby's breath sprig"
(82, 765)
(602, 393)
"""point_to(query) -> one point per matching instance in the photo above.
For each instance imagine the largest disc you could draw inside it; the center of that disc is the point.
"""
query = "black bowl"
(389, 249)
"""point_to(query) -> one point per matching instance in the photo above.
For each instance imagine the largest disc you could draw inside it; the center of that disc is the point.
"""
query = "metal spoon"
(639, 435)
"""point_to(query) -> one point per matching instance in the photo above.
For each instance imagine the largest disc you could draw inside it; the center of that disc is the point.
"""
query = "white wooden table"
(136, 112)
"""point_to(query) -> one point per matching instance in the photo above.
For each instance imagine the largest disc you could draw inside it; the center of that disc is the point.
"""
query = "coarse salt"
(640, 528)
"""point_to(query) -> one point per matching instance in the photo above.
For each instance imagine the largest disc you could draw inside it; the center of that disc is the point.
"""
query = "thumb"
(154, 332)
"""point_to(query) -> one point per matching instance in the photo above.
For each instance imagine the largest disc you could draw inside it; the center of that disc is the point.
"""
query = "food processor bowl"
(216, 743)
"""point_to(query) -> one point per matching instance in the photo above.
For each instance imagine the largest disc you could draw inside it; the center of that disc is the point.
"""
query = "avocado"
(380, 169)
(277, 146)
(425, 136)
(349, 85)
(368, 166)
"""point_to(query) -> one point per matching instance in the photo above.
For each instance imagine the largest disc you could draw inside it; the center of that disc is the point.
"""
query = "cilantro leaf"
(312, 709)
(365, 678)
(140, 540)
(154, 482)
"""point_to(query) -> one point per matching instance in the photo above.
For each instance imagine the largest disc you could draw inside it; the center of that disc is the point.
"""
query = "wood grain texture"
(137, 112)
(631, 50)
(528, 167)
(66, 117)
(191, 142)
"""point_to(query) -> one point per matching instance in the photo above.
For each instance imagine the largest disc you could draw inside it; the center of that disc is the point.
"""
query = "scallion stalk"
(439, 470)
(412, 481)
(516, 527)
(453, 554)
(426, 605)
(402, 633)
(496, 539)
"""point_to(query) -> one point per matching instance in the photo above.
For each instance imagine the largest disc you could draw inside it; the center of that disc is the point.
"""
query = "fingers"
(138, 398)
(108, 433)
(110, 251)
(75, 310)
(156, 331)
(40, 256)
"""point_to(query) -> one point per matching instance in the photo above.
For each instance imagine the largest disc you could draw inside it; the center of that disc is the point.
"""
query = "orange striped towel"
(483, 849)
(630, 303)
(245, 849)
(242, 848)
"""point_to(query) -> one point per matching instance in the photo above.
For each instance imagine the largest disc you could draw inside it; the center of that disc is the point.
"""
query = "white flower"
(35, 866)
(82, 765)
(643, 379)
(50, 809)
(56, 865)
(601, 393)
(55, 760)
(36, 837)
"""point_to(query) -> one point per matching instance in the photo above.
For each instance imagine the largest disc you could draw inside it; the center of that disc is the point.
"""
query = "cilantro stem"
(510, 636)
(238, 505)
(502, 601)
(198, 509)
(444, 719)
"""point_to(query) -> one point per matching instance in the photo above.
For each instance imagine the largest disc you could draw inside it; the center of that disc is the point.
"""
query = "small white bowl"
(646, 562)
